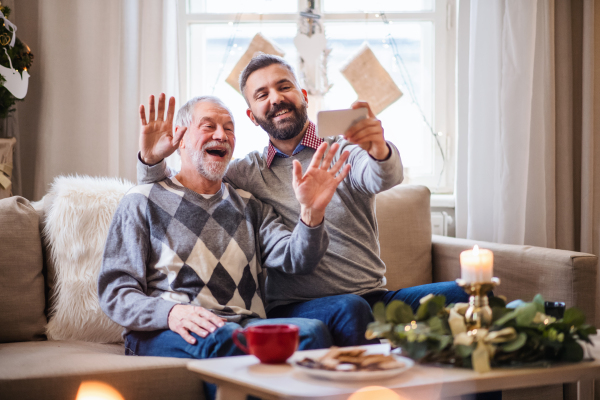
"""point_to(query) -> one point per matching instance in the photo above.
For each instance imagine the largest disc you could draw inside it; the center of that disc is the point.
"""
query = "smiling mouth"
(217, 152)
(280, 113)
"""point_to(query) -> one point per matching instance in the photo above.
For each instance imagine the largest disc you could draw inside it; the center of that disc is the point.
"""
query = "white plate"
(356, 375)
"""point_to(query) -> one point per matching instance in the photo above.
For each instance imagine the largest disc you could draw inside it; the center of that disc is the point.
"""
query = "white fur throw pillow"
(75, 232)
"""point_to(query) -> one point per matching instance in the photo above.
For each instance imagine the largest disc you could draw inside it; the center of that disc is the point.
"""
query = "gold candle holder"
(479, 313)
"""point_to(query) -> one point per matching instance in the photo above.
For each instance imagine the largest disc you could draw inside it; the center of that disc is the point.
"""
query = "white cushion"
(75, 231)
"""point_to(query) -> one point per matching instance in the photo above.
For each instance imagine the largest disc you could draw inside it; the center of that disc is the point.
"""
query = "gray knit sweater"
(351, 263)
(168, 245)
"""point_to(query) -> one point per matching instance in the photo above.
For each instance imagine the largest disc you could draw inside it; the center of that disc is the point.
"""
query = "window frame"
(444, 76)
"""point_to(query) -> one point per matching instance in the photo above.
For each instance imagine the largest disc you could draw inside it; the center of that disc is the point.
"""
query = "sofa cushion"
(75, 230)
(404, 221)
(55, 369)
(21, 281)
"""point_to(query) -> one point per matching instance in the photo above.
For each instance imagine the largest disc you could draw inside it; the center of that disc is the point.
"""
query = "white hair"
(211, 170)
(186, 112)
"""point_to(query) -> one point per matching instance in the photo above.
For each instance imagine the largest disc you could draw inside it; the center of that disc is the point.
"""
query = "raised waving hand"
(315, 188)
(156, 135)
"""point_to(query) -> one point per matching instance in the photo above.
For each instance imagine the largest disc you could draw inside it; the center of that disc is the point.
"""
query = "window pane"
(336, 6)
(243, 6)
(402, 120)
(208, 46)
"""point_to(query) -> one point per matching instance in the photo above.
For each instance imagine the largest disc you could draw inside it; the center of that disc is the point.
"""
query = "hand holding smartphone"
(336, 122)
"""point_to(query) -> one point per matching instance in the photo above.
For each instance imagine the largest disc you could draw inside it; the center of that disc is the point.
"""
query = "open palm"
(156, 136)
(315, 188)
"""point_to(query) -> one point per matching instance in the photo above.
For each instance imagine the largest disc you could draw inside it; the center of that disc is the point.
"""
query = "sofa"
(40, 358)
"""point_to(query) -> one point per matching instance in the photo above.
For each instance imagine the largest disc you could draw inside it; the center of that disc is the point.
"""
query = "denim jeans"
(347, 315)
(166, 343)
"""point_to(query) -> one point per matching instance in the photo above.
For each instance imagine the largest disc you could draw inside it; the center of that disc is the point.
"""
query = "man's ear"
(305, 94)
(181, 141)
(251, 116)
(178, 135)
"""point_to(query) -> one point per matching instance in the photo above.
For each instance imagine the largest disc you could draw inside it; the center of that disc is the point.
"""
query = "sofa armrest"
(524, 271)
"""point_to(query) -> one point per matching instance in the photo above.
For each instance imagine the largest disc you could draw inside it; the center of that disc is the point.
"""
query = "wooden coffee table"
(240, 376)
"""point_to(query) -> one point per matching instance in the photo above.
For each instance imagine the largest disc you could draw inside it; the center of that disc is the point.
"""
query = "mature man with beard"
(350, 279)
(183, 257)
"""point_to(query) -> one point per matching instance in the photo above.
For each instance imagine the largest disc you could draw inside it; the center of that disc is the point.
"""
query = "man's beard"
(288, 128)
(210, 169)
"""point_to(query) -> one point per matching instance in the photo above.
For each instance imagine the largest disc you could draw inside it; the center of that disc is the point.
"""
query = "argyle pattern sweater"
(351, 263)
(168, 244)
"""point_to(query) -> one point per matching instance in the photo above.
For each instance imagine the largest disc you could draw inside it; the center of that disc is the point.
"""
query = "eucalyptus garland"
(21, 58)
(521, 336)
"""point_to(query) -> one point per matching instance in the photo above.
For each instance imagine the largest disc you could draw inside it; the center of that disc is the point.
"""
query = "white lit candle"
(477, 265)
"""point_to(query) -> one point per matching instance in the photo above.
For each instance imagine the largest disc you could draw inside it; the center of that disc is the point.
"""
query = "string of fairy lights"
(228, 49)
(408, 84)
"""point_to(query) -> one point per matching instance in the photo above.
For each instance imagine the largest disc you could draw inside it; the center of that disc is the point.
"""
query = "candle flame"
(476, 250)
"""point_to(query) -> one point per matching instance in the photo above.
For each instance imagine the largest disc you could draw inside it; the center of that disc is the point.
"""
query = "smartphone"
(336, 122)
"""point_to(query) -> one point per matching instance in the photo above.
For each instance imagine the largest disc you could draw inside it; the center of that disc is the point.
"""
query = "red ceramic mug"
(271, 344)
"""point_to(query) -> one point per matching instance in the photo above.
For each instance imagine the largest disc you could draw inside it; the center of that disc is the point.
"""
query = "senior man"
(350, 278)
(183, 257)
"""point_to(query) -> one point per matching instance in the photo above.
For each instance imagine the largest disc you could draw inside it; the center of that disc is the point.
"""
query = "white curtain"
(149, 65)
(505, 118)
(529, 150)
(95, 63)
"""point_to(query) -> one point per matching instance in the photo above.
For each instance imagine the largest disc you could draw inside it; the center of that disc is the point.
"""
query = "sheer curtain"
(96, 62)
(148, 65)
(530, 166)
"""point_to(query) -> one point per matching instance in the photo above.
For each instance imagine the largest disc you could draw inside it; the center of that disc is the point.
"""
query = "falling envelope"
(370, 80)
(15, 83)
(258, 44)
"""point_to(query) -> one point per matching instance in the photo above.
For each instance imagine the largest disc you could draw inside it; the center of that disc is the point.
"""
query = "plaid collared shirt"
(310, 139)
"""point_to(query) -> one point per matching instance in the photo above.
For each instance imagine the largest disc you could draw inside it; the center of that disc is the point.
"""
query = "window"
(215, 33)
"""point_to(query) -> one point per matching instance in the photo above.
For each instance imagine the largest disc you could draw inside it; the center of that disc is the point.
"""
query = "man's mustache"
(278, 107)
(214, 143)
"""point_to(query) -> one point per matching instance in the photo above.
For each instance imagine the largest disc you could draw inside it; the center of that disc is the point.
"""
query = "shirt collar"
(310, 139)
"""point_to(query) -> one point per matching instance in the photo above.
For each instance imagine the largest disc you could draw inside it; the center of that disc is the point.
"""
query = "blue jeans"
(347, 315)
(166, 343)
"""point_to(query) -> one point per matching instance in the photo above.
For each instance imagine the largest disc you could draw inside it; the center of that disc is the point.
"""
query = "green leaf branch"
(517, 336)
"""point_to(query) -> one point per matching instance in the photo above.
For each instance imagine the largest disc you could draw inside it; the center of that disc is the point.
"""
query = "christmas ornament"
(14, 62)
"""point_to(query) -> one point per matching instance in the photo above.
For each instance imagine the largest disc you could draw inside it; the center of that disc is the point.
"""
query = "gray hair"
(186, 112)
(261, 61)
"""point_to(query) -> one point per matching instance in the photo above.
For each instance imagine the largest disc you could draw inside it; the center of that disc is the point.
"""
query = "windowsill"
(442, 200)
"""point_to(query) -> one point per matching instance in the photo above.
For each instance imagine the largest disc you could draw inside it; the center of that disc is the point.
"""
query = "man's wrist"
(148, 161)
(311, 217)
(381, 155)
